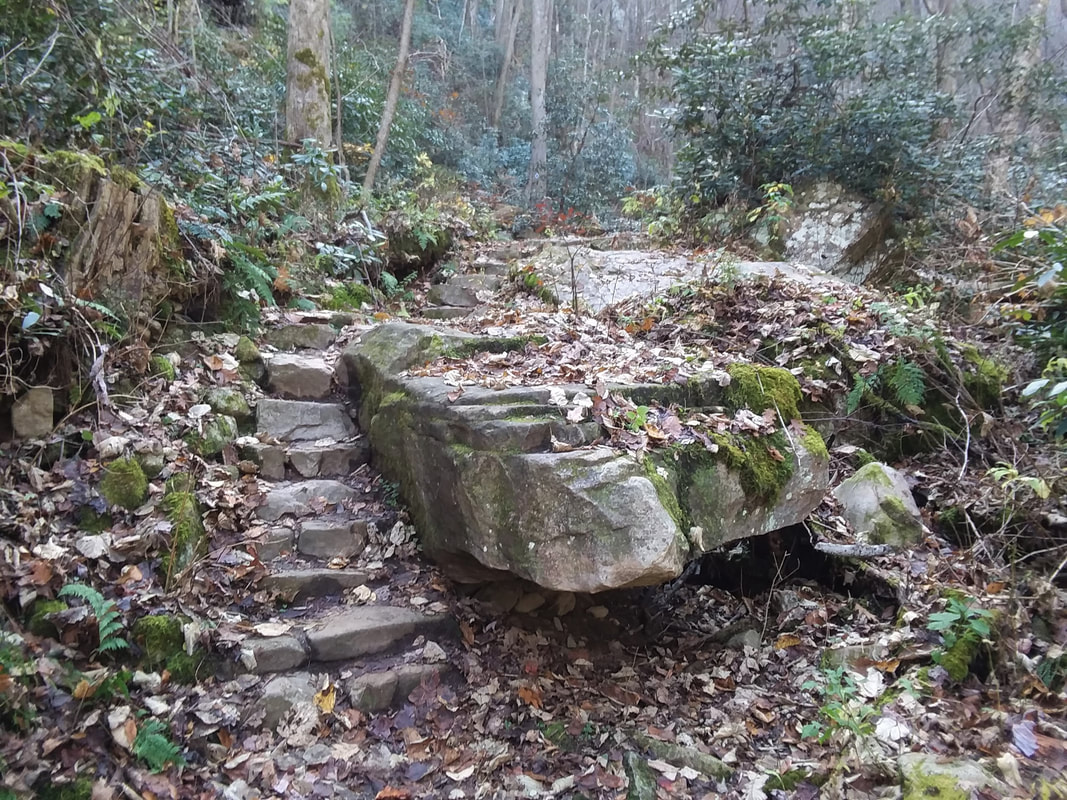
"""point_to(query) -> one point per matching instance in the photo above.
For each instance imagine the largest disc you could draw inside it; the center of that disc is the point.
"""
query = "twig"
(51, 43)
(854, 550)
(967, 443)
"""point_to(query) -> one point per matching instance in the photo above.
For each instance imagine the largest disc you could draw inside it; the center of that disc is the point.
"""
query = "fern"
(108, 620)
(908, 382)
(153, 746)
(859, 389)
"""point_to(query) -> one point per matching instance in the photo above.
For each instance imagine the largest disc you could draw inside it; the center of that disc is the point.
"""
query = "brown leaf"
(391, 793)
(775, 454)
(326, 699)
(786, 640)
(531, 696)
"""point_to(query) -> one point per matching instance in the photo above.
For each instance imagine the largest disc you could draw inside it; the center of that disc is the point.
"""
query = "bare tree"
(307, 90)
(540, 37)
(391, 100)
(515, 14)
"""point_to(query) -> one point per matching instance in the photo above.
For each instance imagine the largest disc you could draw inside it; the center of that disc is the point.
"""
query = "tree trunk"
(307, 95)
(391, 100)
(537, 184)
(1014, 120)
(509, 53)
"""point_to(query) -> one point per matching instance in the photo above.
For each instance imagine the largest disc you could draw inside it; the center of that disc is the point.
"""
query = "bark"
(536, 186)
(391, 100)
(307, 95)
(509, 53)
(1014, 120)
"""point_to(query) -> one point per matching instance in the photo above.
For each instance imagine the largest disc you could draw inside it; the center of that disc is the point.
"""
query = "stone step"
(445, 312)
(304, 498)
(348, 633)
(324, 537)
(299, 376)
(301, 337)
(302, 420)
(379, 688)
(312, 582)
(326, 459)
(491, 266)
(462, 290)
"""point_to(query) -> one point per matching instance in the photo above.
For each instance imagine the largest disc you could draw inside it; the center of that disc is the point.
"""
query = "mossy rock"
(125, 484)
(152, 462)
(229, 402)
(246, 351)
(38, 622)
(351, 296)
(188, 536)
(214, 436)
(758, 388)
(78, 789)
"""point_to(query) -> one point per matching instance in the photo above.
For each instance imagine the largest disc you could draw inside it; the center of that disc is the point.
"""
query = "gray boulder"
(490, 496)
(878, 505)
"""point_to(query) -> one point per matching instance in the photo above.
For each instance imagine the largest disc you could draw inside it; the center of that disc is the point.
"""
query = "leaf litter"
(556, 688)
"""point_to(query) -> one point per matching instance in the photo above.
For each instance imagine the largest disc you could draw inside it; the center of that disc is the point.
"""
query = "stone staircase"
(459, 296)
(327, 534)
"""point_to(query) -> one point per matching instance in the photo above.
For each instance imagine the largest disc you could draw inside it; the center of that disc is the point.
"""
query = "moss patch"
(38, 622)
(162, 646)
(79, 789)
(125, 484)
(351, 296)
(758, 388)
(188, 537)
(666, 493)
(246, 351)
(215, 435)
(814, 444)
(162, 366)
(983, 378)
(505, 344)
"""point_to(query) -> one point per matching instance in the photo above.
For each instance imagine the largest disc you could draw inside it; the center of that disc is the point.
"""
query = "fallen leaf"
(326, 698)
(531, 696)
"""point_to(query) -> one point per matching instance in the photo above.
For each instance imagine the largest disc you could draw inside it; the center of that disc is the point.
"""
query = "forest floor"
(772, 672)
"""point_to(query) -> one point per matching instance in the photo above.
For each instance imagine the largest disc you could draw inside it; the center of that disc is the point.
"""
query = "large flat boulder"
(500, 482)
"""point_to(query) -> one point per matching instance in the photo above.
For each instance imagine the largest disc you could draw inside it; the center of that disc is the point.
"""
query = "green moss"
(667, 496)
(162, 646)
(895, 525)
(505, 344)
(921, 785)
(159, 636)
(182, 482)
(38, 622)
(351, 296)
(125, 484)
(814, 443)
(227, 401)
(983, 378)
(72, 164)
(92, 521)
(392, 399)
(758, 388)
(246, 351)
(214, 436)
(162, 366)
(78, 789)
(863, 458)
(957, 659)
(126, 178)
(188, 537)
(170, 242)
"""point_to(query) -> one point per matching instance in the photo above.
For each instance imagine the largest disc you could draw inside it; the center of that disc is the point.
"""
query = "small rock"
(326, 539)
(294, 337)
(433, 653)
(274, 544)
(877, 503)
(32, 413)
(232, 403)
(275, 654)
(531, 601)
(282, 694)
(925, 775)
(373, 691)
(298, 498)
(746, 638)
(112, 447)
(313, 582)
(299, 376)
(213, 436)
(269, 457)
(303, 421)
(501, 596)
